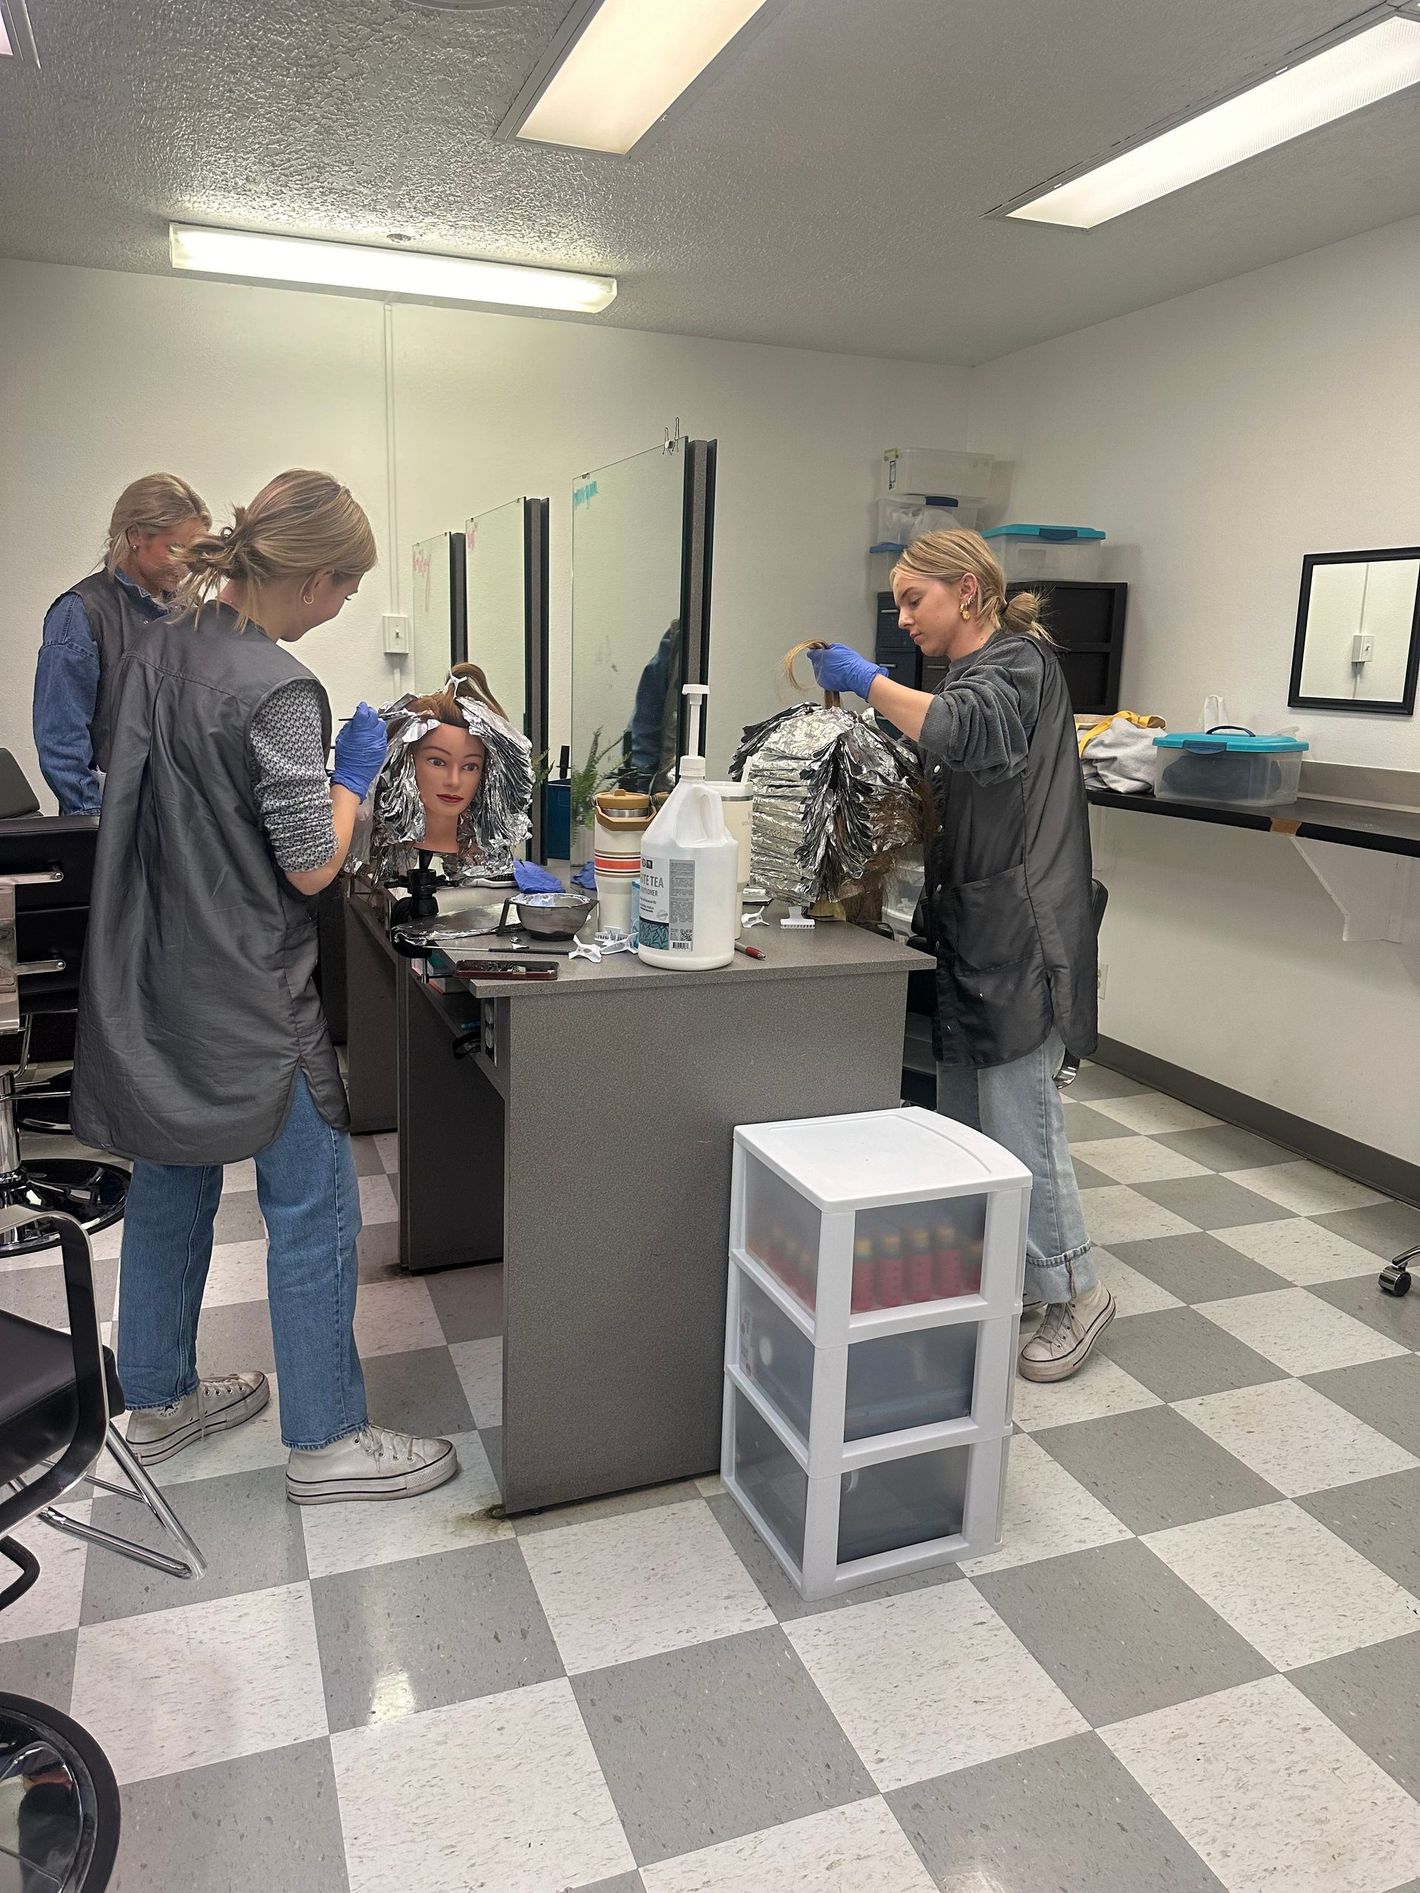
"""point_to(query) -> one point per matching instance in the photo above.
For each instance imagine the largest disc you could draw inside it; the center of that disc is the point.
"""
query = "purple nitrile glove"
(836, 667)
(359, 751)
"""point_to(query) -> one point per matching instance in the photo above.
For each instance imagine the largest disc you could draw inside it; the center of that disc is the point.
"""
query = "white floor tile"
(1306, 1188)
(710, 1486)
(1271, 1794)
(502, 1795)
(479, 1365)
(1098, 1390)
(378, 1203)
(202, 1683)
(1287, 1584)
(930, 1682)
(847, 1850)
(1294, 1437)
(387, 1144)
(621, 1588)
(1298, 1331)
(106, 1244)
(1121, 1214)
(353, 1537)
(239, 1176)
(1134, 1293)
(54, 1600)
(1300, 1251)
(1152, 1114)
(1137, 1160)
(1048, 1513)
(396, 1317)
(237, 1274)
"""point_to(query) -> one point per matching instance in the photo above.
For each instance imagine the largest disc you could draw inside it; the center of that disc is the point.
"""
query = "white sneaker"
(374, 1463)
(213, 1406)
(1061, 1345)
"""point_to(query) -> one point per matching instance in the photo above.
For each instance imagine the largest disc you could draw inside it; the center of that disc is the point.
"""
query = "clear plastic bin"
(775, 1356)
(916, 1252)
(907, 1380)
(903, 518)
(782, 1230)
(1229, 766)
(768, 1474)
(902, 1502)
(940, 472)
(1028, 553)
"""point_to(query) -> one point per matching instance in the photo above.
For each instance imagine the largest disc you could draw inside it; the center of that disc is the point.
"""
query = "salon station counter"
(585, 1138)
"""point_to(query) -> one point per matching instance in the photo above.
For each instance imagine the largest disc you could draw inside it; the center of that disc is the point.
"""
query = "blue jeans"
(1018, 1107)
(305, 1183)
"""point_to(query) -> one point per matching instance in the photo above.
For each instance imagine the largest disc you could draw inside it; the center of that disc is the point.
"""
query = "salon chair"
(46, 866)
(59, 1396)
(43, 1107)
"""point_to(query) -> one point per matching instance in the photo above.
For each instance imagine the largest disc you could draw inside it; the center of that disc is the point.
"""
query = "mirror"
(505, 588)
(641, 533)
(1358, 632)
(437, 613)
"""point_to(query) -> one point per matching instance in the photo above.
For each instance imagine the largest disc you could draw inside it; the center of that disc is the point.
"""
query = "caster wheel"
(1395, 1281)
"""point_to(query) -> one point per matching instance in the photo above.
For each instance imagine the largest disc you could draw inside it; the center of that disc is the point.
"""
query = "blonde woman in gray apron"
(201, 1037)
(1007, 902)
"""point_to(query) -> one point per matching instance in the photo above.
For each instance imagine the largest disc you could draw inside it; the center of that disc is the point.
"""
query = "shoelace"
(380, 1443)
(223, 1384)
(1059, 1317)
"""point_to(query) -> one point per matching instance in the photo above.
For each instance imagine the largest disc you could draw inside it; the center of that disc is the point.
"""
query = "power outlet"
(399, 634)
(1101, 982)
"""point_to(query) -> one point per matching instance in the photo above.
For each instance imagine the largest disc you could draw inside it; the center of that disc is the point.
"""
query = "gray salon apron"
(197, 1004)
(116, 620)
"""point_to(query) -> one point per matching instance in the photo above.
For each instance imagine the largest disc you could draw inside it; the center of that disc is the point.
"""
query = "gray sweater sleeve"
(984, 716)
(289, 778)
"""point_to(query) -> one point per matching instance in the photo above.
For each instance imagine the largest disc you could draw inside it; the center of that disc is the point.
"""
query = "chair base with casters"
(43, 1107)
(1395, 1277)
(93, 1193)
(59, 1395)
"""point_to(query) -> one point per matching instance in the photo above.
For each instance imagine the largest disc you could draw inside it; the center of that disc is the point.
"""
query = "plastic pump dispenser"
(690, 869)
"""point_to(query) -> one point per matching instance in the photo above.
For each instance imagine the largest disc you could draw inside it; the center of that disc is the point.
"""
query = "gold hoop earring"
(308, 598)
(965, 612)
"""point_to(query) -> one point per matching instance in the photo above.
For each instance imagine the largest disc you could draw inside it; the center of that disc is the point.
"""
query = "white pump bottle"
(690, 869)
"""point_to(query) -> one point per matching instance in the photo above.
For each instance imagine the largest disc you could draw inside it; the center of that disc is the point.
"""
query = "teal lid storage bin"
(1229, 765)
(1029, 553)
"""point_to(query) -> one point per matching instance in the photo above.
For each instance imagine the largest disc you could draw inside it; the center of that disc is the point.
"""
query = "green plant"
(587, 779)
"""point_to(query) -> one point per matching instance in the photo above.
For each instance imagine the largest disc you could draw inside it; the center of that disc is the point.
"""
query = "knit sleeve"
(289, 776)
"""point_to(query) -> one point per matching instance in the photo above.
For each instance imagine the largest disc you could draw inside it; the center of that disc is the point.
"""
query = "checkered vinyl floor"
(1195, 1664)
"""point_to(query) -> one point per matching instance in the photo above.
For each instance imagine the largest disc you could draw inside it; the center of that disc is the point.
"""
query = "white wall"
(105, 376)
(1217, 438)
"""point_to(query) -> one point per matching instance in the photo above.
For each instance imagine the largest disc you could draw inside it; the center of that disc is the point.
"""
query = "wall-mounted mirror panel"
(437, 614)
(506, 618)
(1358, 632)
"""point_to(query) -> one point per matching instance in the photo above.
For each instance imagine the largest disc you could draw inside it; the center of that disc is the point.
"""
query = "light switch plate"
(399, 634)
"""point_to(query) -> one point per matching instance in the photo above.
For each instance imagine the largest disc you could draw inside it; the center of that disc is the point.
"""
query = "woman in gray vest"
(201, 1038)
(1006, 906)
(88, 628)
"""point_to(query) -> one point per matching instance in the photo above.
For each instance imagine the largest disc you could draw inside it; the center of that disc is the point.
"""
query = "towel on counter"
(1117, 752)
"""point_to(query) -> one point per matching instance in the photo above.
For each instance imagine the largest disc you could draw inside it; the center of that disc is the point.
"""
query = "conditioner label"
(667, 905)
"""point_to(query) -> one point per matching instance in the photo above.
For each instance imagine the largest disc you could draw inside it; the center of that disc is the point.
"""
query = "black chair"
(45, 1106)
(46, 868)
(59, 1395)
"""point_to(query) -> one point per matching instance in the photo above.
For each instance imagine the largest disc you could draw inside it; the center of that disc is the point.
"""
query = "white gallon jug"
(690, 871)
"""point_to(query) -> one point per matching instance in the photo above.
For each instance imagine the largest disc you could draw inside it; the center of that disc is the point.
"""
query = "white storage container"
(938, 473)
(1028, 553)
(1231, 766)
(905, 517)
(874, 1309)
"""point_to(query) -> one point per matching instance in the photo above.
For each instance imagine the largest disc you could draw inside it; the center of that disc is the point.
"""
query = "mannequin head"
(448, 772)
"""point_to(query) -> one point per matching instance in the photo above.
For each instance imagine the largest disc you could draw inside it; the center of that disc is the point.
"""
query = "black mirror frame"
(1370, 707)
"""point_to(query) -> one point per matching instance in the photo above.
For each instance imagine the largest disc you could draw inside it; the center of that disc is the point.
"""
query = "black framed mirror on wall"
(506, 568)
(1358, 632)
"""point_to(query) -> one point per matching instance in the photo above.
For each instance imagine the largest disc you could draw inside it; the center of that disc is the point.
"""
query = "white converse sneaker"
(213, 1406)
(371, 1464)
(1061, 1345)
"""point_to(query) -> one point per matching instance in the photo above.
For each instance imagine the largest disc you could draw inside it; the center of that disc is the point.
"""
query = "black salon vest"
(116, 621)
(198, 1005)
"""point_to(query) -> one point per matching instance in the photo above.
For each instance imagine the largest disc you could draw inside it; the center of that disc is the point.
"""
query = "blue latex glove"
(839, 668)
(586, 877)
(359, 751)
(533, 878)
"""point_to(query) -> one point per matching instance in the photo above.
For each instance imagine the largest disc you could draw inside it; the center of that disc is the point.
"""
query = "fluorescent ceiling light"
(621, 66)
(414, 273)
(1343, 78)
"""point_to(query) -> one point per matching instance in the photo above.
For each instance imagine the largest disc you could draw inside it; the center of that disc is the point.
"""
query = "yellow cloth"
(1088, 728)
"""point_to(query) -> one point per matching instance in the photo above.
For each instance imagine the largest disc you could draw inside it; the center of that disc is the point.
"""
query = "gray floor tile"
(1385, 1394)
(37, 1294)
(417, 1392)
(1119, 1632)
(1374, 1695)
(780, 1594)
(760, 1746)
(1096, 1081)
(1082, 1124)
(367, 1157)
(238, 1218)
(1153, 1469)
(469, 1302)
(1380, 1518)
(234, 1338)
(1197, 1268)
(242, 1523)
(1361, 1296)
(1088, 1178)
(616, 1505)
(41, 1668)
(421, 1633)
(492, 1437)
(268, 1821)
(1385, 1228)
(1064, 1817)
(1179, 1354)
(1225, 1147)
(1213, 1202)
(379, 1253)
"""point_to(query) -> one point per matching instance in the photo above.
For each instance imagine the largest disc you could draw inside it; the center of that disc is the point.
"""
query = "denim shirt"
(66, 693)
